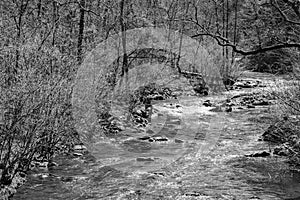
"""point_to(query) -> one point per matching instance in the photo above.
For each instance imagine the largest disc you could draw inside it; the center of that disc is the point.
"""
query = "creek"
(188, 152)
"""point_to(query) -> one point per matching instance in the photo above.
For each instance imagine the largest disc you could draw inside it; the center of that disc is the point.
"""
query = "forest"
(44, 44)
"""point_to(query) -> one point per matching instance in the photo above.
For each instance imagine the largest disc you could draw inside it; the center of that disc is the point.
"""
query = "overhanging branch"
(225, 42)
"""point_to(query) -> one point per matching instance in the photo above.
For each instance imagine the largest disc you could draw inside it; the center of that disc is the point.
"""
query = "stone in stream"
(178, 106)
(80, 147)
(178, 141)
(196, 194)
(228, 109)
(142, 159)
(217, 109)
(43, 176)
(52, 164)
(250, 106)
(159, 173)
(77, 154)
(157, 97)
(160, 139)
(144, 138)
(261, 103)
(200, 136)
(149, 131)
(259, 154)
(42, 164)
(207, 103)
(67, 179)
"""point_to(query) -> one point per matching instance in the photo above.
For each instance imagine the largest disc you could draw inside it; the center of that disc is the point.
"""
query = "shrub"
(36, 111)
(287, 128)
(278, 61)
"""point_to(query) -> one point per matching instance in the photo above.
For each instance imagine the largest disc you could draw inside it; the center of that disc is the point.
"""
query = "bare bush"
(36, 113)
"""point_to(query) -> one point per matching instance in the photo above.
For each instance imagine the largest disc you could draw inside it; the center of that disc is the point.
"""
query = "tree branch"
(295, 6)
(284, 16)
(225, 42)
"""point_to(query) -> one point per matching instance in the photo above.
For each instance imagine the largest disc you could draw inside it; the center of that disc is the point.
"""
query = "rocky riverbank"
(213, 143)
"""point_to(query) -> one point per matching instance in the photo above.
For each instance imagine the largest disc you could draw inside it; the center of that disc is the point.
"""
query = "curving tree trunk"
(81, 29)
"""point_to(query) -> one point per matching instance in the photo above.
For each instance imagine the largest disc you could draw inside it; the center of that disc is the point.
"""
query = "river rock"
(259, 154)
(67, 179)
(200, 136)
(250, 106)
(42, 165)
(261, 103)
(79, 147)
(228, 109)
(159, 173)
(52, 164)
(246, 83)
(149, 131)
(77, 154)
(44, 176)
(196, 194)
(160, 139)
(142, 159)
(178, 141)
(157, 97)
(144, 138)
(207, 103)
(230, 104)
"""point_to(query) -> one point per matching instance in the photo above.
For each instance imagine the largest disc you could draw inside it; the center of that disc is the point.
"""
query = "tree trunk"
(235, 29)
(123, 33)
(81, 29)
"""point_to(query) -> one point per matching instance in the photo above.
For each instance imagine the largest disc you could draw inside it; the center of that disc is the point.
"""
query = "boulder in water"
(141, 159)
(207, 103)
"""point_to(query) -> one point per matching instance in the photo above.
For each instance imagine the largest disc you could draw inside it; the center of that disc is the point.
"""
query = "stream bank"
(191, 150)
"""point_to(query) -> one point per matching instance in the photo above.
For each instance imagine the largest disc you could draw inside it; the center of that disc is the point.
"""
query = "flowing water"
(188, 152)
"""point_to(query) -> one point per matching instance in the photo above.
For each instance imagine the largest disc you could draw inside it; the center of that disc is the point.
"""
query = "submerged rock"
(200, 136)
(228, 109)
(77, 154)
(207, 103)
(160, 139)
(157, 97)
(261, 103)
(178, 141)
(144, 138)
(250, 106)
(52, 164)
(80, 147)
(142, 159)
(246, 84)
(259, 154)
